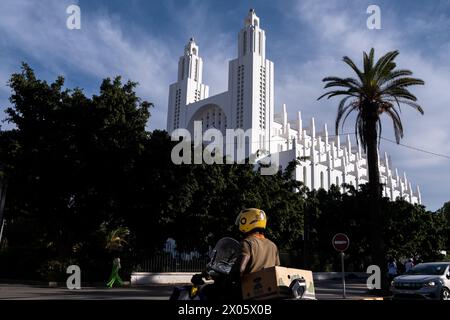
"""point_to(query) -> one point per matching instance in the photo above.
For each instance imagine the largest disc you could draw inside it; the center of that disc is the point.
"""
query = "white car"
(429, 280)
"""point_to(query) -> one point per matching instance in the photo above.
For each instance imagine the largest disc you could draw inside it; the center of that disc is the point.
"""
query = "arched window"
(337, 182)
(255, 22)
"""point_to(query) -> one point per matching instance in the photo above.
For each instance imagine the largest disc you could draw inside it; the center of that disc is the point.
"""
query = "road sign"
(340, 242)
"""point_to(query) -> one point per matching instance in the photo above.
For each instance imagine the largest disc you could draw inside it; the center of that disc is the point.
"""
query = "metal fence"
(170, 260)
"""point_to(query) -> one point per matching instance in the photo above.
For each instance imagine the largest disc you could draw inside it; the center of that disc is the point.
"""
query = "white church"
(249, 104)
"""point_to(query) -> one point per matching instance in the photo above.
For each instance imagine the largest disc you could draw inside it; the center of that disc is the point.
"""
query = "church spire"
(191, 48)
(190, 64)
(251, 19)
(252, 39)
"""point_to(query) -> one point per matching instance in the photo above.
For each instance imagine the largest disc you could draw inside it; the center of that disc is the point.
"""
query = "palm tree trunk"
(375, 214)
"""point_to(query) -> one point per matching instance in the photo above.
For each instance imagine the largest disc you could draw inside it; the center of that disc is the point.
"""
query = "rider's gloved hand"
(197, 280)
(206, 275)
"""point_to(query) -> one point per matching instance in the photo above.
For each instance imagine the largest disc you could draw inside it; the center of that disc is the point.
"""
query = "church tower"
(251, 85)
(189, 87)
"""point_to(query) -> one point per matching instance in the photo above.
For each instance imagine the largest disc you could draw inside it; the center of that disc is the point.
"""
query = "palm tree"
(115, 239)
(378, 89)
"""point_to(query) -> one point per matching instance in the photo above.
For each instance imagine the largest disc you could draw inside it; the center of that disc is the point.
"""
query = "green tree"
(215, 194)
(71, 162)
(409, 230)
(379, 88)
(445, 212)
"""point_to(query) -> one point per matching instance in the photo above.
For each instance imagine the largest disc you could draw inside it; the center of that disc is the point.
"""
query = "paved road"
(26, 292)
(325, 290)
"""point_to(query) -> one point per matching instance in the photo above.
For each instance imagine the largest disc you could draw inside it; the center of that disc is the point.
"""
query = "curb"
(152, 278)
(53, 284)
(155, 278)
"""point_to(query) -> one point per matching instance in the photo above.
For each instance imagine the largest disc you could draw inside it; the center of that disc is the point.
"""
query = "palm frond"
(378, 88)
(384, 65)
(397, 123)
(402, 83)
(115, 238)
(394, 74)
(334, 93)
(342, 109)
(352, 65)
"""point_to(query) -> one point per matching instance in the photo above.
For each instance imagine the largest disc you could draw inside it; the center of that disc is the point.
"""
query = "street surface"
(325, 290)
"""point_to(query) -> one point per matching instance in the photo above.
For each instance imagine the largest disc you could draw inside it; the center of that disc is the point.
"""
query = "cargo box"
(273, 283)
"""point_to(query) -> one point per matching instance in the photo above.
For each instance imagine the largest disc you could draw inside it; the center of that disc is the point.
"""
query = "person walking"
(392, 269)
(115, 277)
(409, 264)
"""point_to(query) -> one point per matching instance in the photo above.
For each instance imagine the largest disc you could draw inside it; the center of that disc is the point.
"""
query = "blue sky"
(306, 39)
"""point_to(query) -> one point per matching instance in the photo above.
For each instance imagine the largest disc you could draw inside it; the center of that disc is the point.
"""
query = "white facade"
(249, 104)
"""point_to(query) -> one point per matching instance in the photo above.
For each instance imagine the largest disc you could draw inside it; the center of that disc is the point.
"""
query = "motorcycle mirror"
(213, 255)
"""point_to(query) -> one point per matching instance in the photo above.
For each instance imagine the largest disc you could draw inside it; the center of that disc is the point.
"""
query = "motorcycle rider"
(258, 252)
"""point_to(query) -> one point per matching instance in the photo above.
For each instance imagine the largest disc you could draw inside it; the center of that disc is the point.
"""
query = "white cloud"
(102, 49)
(99, 49)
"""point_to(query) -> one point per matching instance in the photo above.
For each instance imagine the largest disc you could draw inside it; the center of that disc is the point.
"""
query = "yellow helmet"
(249, 219)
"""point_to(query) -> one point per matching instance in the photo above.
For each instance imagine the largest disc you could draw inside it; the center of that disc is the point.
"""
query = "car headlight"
(430, 284)
(392, 283)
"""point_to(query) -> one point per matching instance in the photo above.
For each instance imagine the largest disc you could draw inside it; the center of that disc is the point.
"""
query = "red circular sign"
(340, 242)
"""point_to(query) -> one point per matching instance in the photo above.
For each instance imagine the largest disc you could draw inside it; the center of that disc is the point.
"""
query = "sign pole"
(340, 243)
(343, 275)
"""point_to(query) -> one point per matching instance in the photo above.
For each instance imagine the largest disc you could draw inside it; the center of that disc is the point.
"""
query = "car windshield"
(428, 269)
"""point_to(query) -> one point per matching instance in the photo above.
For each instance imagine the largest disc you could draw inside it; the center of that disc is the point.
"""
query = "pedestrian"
(409, 264)
(392, 269)
(115, 277)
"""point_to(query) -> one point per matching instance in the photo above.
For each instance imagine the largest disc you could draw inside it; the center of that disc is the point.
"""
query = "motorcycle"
(223, 278)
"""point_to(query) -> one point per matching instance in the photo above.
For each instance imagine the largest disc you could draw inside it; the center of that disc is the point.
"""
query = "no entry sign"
(340, 242)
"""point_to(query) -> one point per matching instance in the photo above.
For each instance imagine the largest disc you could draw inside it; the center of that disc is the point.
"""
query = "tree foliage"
(82, 170)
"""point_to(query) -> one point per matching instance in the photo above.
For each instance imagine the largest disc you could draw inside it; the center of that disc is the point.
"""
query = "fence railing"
(170, 260)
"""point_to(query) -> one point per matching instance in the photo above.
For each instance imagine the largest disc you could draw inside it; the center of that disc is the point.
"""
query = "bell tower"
(251, 85)
(188, 88)
(251, 39)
